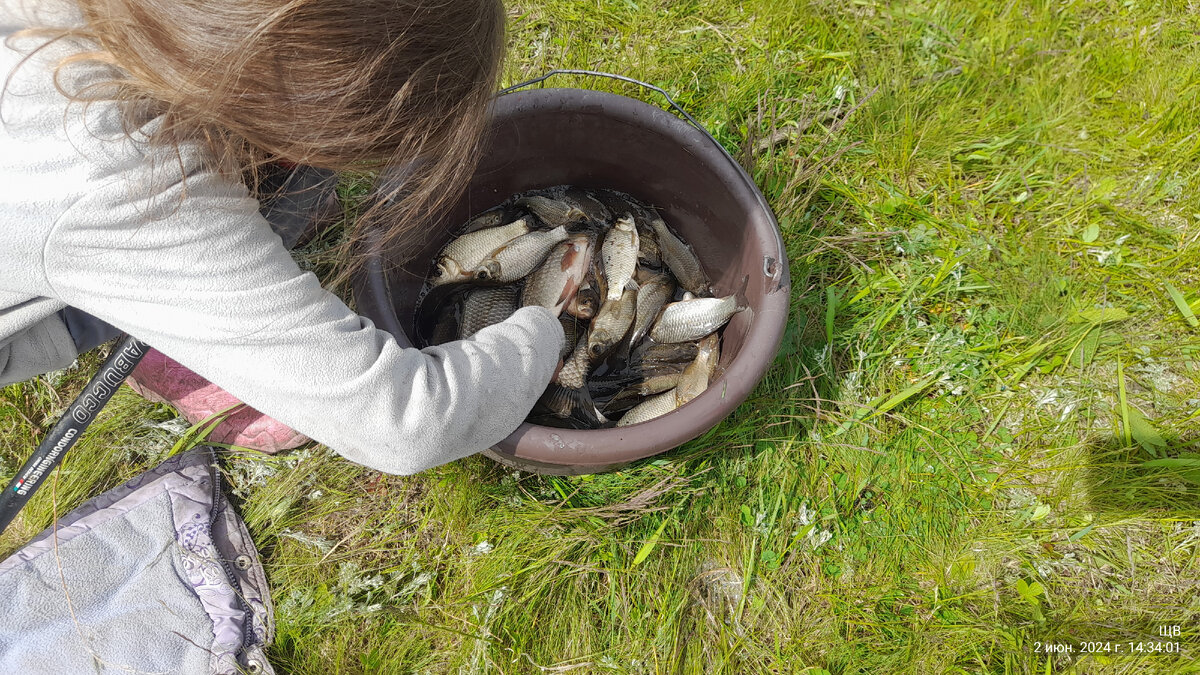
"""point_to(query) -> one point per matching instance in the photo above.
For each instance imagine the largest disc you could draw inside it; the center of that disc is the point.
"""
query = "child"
(128, 132)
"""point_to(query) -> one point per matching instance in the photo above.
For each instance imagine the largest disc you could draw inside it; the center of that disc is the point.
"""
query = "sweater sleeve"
(205, 281)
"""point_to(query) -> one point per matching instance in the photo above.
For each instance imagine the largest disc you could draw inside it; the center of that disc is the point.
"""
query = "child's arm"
(211, 286)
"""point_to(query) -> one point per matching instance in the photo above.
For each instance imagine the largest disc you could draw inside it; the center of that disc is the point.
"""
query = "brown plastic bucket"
(544, 137)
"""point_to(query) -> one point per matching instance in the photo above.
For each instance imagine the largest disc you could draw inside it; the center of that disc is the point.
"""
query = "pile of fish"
(633, 300)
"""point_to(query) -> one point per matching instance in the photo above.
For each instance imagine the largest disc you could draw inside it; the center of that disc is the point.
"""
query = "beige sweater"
(100, 221)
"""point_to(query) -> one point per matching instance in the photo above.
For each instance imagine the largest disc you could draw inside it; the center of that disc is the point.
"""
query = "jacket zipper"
(230, 577)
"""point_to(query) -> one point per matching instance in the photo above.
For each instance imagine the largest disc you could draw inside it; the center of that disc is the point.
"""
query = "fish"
(585, 303)
(558, 279)
(650, 353)
(633, 394)
(633, 376)
(566, 402)
(620, 203)
(648, 253)
(517, 258)
(489, 218)
(586, 201)
(609, 267)
(699, 373)
(483, 307)
(613, 320)
(446, 328)
(553, 212)
(619, 256)
(680, 260)
(576, 367)
(653, 407)
(571, 330)
(652, 295)
(693, 319)
(464, 253)
(595, 279)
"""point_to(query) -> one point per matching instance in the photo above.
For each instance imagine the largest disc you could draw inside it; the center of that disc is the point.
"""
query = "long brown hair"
(349, 84)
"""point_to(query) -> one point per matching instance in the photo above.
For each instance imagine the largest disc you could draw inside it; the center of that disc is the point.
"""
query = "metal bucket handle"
(762, 201)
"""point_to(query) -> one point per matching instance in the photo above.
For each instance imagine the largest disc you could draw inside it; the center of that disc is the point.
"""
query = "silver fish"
(554, 283)
(649, 409)
(652, 295)
(489, 218)
(484, 307)
(688, 320)
(613, 320)
(697, 376)
(465, 253)
(519, 257)
(679, 258)
(576, 368)
(553, 212)
(619, 255)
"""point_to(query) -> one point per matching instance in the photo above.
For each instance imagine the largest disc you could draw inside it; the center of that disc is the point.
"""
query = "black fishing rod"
(119, 364)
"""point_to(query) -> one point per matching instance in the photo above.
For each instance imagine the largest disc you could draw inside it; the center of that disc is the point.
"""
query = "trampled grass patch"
(980, 434)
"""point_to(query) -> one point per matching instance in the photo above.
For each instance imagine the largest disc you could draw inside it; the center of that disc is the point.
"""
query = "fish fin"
(569, 291)
(574, 215)
(631, 285)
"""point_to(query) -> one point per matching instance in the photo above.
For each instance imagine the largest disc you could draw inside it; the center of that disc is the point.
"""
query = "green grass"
(969, 443)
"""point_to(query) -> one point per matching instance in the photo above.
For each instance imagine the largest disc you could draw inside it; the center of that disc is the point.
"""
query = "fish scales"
(558, 279)
(619, 255)
(577, 367)
(680, 259)
(697, 376)
(553, 212)
(465, 253)
(693, 319)
(485, 307)
(651, 298)
(651, 408)
(613, 321)
(490, 218)
(517, 258)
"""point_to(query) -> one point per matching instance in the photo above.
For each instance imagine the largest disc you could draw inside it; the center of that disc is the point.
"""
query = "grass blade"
(648, 547)
(1124, 403)
(1184, 308)
(905, 395)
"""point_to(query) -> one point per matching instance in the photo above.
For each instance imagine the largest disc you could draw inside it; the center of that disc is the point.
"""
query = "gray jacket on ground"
(157, 575)
(103, 222)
